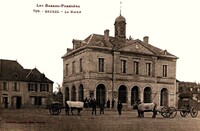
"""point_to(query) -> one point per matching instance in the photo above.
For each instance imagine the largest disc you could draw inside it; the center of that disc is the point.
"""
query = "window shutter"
(28, 86)
(47, 87)
(40, 87)
(36, 88)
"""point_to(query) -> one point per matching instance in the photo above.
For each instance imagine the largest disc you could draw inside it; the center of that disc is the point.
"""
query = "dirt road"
(41, 120)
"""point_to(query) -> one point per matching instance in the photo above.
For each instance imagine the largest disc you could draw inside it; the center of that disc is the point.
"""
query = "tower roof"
(120, 18)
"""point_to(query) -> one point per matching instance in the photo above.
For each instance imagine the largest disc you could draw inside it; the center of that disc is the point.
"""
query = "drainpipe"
(113, 72)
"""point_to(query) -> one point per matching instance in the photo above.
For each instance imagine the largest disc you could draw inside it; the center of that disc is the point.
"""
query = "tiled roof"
(13, 71)
(117, 44)
(183, 83)
(98, 40)
(120, 18)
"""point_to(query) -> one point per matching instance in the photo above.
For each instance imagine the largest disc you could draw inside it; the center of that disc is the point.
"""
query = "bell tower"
(120, 26)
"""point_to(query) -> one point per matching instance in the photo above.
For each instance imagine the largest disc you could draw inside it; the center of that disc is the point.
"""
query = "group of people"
(88, 103)
(92, 103)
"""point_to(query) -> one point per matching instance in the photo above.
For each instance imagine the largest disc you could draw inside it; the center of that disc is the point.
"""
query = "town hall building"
(114, 67)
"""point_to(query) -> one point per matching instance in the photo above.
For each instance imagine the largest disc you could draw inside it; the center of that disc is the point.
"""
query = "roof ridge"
(147, 46)
(90, 38)
(31, 70)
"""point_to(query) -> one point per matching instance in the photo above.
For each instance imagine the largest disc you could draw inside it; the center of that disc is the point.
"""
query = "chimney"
(146, 40)
(106, 35)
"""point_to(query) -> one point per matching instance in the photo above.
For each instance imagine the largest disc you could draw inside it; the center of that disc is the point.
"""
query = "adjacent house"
(20, 88)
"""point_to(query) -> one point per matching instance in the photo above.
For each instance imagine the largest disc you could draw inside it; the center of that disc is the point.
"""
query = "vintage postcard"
(116, 65)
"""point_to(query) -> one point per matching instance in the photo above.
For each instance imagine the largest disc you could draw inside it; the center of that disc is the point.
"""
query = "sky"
(39, 39)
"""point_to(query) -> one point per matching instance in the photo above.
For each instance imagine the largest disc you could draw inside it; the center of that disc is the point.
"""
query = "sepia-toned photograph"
(97, 65)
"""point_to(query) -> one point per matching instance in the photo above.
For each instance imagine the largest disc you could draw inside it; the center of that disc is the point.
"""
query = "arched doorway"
(164, 97)
(147, 95)
(122, 94)
(100, 93)
(66, 94)
(73, 93)
(80, 93)
(134, 94)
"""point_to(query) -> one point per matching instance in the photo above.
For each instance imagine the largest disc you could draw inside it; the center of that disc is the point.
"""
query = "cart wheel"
(183, 111)
(56, 111)
(59, 111)
(193, 112)
(165, 112)
(50, 111)
(172, 112)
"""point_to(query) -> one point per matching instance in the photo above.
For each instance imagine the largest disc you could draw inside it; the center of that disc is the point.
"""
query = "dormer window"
(15, 76)
(165, 52)
(43, 76)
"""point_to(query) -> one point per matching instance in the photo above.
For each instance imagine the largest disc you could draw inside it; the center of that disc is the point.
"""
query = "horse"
(71, 105)
(146, 107)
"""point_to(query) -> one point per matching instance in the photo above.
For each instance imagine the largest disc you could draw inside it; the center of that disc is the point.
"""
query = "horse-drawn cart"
(168, 112)
(188, 107)
(55, 108)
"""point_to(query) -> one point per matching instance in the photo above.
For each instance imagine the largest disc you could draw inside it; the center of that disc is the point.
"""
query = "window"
(5, 87)
(44, 87)
(164, 70)
(123, 66)
(15, 87)
(36, 100)
(73, 67)
(148, 69)
(122, 94)
(136, 67)
(101, 64)
(81, 65)
(32, 87)
(67, 69)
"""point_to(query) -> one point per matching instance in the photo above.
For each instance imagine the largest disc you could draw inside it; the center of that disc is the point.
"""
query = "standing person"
(67, 109)
(94, 105)
(102, 107)
(137, 103)
(86, 103)
(119, 107)
(108, 103)
(90, 103)
(113, 102)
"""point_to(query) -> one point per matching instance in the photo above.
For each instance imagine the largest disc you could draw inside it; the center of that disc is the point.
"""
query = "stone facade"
(105, 67)
(20, 88)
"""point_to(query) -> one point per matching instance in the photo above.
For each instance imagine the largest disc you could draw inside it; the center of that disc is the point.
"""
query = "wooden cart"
(55, 108)
(168, 112)
(188, 108)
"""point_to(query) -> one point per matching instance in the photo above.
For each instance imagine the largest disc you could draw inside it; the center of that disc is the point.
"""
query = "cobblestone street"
(40, 119)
